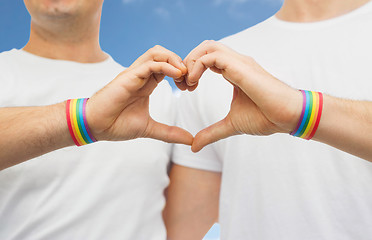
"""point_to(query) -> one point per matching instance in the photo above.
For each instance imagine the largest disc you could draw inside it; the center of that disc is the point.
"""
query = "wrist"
(60, 129)
(287, 110)
(295, 105)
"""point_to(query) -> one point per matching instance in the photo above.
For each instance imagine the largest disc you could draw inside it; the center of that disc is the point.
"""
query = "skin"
(316, 10)
(263, 105)
(68, 29)
(192, 205)
(65, 29)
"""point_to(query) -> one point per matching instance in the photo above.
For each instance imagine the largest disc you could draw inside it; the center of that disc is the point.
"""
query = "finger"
(159, 77)
(146, 70)
(161, 54)
(213, 133)
(216, 70)
(148, 88)
(195, 54)
(142, 74)
(216, 60)
(178, 80)
(189, 61)
(168, 134)
(192, 88)
(204, 48)
(165, 55)
(181, 85)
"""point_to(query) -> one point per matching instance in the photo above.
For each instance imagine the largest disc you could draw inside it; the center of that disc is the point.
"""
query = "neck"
(78, 41)
(316, 10)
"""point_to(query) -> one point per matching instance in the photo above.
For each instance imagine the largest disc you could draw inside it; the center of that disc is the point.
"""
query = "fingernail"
(190, 84)
(178, 80)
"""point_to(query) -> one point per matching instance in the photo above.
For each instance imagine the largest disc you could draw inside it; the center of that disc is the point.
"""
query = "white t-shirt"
(281, 187)
(106, 190)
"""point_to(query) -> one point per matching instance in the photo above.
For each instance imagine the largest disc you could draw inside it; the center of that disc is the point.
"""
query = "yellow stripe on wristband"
(75, 125)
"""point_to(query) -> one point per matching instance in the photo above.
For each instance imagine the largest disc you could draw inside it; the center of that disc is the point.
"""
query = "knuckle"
(211, 42)
(151, 66)
(154, 50)
(157, 47)
(199, 61)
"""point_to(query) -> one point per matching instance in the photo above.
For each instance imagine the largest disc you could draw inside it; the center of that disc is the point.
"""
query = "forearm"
(28, 132)
(192, 203)
(346, 125)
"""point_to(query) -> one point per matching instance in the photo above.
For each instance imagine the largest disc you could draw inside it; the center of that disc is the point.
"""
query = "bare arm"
(28, 132)
(118, 112)
(263, 105)
(192, 203)
(346, 125)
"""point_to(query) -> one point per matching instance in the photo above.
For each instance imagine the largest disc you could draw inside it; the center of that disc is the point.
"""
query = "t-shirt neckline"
(323, 23)
(35, 57)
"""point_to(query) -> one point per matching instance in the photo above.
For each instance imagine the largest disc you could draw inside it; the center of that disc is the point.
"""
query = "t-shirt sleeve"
(197, 110)
(6, 79)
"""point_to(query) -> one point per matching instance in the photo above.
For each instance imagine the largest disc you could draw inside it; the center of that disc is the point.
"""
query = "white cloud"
(236, 2)
(180, 4)
(162, 12)
(233, 7)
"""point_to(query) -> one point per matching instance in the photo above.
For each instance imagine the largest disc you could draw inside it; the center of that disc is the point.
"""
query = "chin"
(54, 8)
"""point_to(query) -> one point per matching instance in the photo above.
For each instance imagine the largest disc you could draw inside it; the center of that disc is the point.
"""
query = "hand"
(120, 111)
(261, 105)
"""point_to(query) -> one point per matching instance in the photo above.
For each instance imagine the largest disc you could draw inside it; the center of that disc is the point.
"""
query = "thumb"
(220, 130)
(168, 134)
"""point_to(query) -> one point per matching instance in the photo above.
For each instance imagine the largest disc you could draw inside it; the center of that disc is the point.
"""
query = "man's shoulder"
(6, 60)
(114, 64)
(7, 56)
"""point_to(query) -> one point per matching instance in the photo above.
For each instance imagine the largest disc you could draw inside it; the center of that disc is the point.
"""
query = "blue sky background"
(130, 27)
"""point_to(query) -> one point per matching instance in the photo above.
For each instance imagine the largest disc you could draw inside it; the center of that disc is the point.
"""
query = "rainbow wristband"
(312, 108)
(77, 122)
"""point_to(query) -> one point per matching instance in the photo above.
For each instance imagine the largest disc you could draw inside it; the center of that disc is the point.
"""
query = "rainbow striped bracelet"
(312, 108)
(77, 122)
